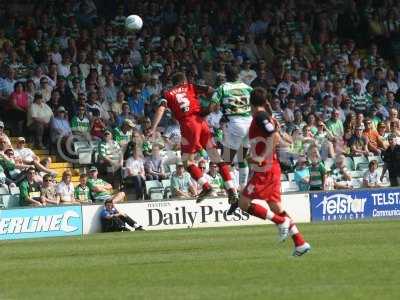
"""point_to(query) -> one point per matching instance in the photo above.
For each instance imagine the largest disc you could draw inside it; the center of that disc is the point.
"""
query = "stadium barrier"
(355, 204)
(177, 214)
(40, 222)
(72, 220)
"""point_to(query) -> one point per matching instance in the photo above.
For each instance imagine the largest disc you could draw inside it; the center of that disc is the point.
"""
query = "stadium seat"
(290, 176)
(4, 190)
(348, 161)
(82, 145)
(289, 186)
(357, 174)
(154, 190)
(360, 163)
(172, 168)
(4, 196)
(329, 162)
(14, 190)
(284, 177)
(167, 188)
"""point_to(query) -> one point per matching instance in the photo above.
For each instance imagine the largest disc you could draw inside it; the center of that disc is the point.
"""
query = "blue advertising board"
(40, 222)
(355, 204)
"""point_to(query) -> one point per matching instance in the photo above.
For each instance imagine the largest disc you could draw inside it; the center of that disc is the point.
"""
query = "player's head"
(178, 77)
(83, 179)
(258, 97)
(232, 73)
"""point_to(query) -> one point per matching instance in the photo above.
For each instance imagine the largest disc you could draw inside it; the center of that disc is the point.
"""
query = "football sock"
(197, 175)
(243, 173)
(225, 171)
(264, 213)
(296, 235)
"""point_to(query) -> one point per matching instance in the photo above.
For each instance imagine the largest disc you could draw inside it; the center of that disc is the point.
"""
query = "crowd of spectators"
(71, 68)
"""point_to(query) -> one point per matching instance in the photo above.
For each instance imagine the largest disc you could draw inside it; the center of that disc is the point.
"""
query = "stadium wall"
(179, 214)
(175, 214)
(355, 204)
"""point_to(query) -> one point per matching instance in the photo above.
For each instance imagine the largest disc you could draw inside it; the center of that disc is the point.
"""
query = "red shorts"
(196, 134)
(265, 185)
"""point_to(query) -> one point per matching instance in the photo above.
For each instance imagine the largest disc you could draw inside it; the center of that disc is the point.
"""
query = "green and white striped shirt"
(317, 172)
(234, 98)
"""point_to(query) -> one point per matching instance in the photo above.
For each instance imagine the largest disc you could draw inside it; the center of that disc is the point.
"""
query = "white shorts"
(236, 132)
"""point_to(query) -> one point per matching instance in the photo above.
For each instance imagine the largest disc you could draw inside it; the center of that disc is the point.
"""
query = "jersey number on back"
(183, 102)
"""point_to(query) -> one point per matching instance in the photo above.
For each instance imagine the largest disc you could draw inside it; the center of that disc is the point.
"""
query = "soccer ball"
(133, 23)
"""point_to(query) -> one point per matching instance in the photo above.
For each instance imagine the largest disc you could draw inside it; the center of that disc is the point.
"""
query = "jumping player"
(233, 97)
(265, 182)
(182, 99)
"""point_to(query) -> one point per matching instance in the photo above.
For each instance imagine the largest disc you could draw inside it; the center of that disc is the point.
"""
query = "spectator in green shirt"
(30, 190)
(123, 134)
(82, 191)
(102, 190)
(317, 170)
(335, 125)
(80, 124)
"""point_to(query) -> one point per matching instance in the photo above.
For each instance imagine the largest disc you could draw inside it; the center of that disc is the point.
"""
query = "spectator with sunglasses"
(48, 193)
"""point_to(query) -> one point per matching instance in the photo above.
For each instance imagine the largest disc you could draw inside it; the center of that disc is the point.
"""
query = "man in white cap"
(59, 126)
(28, 157)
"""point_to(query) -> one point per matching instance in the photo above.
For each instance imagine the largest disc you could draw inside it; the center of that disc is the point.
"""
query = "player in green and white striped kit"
(234, 99)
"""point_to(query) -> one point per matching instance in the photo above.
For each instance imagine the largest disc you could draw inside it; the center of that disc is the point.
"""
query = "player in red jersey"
(182, 100)
(265, 183)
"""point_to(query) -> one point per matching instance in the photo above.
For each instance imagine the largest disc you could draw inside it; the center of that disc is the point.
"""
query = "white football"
(133, 23)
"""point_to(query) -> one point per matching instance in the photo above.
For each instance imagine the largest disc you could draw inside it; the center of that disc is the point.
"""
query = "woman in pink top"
(18, 106)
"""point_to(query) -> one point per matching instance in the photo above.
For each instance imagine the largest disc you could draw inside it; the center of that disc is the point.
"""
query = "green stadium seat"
(154, 190)
(360, 163)
(348, 161)
(172, 168)
(284, 177)
(290, 176)
(289, 186)
(4, 190)
(328, 163)
(357, 174)
(166, 183)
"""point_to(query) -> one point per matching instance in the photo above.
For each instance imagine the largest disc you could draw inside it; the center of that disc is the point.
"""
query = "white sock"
(293, 230)
(243, 176)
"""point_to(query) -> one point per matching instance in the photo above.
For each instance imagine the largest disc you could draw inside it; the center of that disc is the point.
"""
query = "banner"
(355, 204)
(40, 222)
(188, 214)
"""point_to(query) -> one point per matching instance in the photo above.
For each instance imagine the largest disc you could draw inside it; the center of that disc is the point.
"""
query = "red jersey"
(262, 145)
(183, 101)
(265, 182)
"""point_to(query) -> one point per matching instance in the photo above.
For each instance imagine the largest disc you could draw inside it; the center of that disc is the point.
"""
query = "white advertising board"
(177, 214)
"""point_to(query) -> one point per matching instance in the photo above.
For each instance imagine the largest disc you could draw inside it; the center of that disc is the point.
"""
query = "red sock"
(296, 235)
(197, 175)
(225, 171)
(195, 172)
(263, 213)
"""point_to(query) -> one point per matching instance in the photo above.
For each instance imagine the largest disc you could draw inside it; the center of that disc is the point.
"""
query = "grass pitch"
(356, 260)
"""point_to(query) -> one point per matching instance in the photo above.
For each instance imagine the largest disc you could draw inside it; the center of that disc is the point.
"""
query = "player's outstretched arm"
(157, 118)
